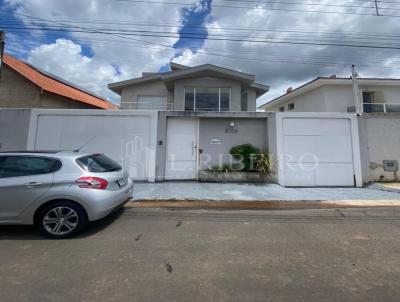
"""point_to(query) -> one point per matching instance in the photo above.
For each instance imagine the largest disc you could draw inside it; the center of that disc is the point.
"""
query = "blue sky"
(193, 24)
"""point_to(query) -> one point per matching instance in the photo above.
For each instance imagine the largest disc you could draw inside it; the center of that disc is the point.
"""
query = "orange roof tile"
(53, 85)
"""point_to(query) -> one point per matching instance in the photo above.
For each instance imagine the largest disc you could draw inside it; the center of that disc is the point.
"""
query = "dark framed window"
(282, 108)
(207, 99)
(19, 165)
(291, 106)
(243, 101)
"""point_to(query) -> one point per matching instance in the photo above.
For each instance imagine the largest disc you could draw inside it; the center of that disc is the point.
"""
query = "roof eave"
(118, 86)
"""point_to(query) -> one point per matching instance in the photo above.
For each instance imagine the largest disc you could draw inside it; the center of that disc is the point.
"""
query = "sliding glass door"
(207, 99)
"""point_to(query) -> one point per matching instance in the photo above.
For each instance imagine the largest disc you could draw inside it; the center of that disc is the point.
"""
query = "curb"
(262, 204)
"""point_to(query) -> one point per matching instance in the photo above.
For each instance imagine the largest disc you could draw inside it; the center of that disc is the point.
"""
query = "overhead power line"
(211, 37)
(116, 43)
(94, 31)
(371, 13)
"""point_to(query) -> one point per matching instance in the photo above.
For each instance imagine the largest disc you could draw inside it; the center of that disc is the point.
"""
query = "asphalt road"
(162, 255)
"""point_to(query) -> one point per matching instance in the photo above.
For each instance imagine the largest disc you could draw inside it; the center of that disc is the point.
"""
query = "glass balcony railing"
(147, 106)
(382, 107)
(377, 108)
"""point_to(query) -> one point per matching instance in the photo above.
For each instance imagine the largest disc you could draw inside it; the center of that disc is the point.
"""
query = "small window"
(15, 166)
(368, 97)
(282, 108)
(243, 101)
(290, 106)
(98, 163)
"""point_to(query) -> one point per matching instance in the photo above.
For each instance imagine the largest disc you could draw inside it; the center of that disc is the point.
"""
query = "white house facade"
(331, 94)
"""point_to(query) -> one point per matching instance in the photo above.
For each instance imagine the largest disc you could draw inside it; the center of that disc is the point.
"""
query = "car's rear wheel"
(62, 219)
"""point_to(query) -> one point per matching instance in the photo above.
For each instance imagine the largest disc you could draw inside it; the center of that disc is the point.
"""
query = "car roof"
(44, 153)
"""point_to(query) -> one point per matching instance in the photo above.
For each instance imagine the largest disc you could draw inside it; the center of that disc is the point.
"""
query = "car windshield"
(98, 163)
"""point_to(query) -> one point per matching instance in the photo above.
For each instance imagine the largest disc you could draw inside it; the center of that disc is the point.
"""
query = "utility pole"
(376, 7)
(356, 90)
(2, 43)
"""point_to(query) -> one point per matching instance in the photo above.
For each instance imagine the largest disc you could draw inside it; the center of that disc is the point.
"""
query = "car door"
(23, 179)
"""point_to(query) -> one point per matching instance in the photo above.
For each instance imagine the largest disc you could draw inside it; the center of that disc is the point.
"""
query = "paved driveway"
(161, 255)
(221, 191)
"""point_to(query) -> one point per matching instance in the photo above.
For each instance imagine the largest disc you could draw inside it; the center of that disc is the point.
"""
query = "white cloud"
(64, 58)
(110, 57)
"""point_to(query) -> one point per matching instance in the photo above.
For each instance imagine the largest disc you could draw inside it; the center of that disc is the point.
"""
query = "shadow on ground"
(29, 232)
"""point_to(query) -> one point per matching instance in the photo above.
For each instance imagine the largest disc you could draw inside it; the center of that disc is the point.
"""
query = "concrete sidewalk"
(256, 196)
(252, 192)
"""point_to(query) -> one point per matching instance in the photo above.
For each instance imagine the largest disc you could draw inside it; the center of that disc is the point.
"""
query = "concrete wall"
(272, 144)
(153, 88)
(215, 139)
(391, 94)
(380, 141)
(14, 128)
(18, 92)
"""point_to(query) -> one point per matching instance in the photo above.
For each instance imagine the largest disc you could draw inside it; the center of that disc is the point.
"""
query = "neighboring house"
(201, 88)
(331, 94)
(23, 85)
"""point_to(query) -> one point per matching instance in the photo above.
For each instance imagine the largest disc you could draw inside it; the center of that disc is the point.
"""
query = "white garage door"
(317, 152)
(123, 138)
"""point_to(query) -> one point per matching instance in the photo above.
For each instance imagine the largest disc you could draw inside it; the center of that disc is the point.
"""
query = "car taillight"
(89, 182)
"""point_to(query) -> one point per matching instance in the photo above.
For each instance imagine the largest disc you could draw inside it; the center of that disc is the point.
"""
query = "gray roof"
(181, 71)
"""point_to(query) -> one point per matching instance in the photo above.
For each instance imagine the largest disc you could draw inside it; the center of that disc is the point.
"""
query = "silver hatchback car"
(60, 192)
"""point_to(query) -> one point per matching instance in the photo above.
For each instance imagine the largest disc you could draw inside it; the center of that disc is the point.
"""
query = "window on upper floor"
(282, 108)
(243, 102)
(373, 101)
(290, 106)
(207, 99)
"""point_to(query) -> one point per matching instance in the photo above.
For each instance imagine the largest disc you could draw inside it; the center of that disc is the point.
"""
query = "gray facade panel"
(380, 140)
(14, 129)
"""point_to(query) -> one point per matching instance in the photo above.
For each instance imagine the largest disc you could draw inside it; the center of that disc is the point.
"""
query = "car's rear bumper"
(113, 200)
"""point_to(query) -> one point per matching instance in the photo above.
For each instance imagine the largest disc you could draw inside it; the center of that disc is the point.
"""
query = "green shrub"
(246, 154)
(264, 163)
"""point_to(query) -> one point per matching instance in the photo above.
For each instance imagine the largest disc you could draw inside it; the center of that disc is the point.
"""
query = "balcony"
(147, 106)
(382, 107)
(377, 108)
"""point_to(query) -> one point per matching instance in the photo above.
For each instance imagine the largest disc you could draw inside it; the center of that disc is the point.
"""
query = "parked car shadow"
(29, 232)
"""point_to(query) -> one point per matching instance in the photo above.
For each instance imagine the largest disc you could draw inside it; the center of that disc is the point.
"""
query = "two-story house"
(200, 88)
(203, 112)
(332, 94)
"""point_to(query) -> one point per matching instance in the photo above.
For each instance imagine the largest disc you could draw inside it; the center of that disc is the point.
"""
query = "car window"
(98, 163)
(14, 166)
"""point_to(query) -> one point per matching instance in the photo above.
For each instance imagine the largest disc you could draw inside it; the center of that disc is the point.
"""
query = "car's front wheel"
(62, 219)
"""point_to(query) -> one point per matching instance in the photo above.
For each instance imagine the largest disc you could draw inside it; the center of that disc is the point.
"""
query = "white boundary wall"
(347, 146)
(129, 137)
